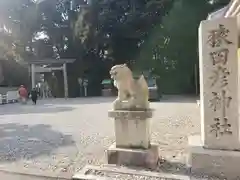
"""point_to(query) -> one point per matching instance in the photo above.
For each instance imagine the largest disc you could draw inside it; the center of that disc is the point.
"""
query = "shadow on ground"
(81, 101)
(178, 99)
(26, 142)
(104, 100)
(11, 109)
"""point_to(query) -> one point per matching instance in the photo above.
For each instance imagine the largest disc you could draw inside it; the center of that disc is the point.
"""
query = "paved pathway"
(64, 135)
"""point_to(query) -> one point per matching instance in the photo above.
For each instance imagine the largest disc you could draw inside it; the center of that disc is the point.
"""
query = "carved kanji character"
(226, 127)
(220, 74)
(218, 36)
(220, 100)
(220, 56)
(215, 128)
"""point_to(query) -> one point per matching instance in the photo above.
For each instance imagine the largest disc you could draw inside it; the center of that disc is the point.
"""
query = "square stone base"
(133, 157)
(132, 128)
(221, 163)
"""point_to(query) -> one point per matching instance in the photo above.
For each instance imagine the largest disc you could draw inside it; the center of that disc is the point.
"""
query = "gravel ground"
(64, 135)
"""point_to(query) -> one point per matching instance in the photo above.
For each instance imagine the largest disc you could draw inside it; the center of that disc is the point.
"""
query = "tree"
(18, 23)
(171, 50)
(101, 33)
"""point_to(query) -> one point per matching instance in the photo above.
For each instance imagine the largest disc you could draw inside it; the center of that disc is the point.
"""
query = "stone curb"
(37, 174)
(121, 170)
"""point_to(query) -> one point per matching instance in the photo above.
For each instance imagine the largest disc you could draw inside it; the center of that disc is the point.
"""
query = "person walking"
(22, 91)
(34, 96)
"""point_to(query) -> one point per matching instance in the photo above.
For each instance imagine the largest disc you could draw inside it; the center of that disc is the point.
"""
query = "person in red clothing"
(23, 94)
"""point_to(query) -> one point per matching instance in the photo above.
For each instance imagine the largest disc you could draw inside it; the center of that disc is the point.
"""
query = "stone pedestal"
(132, 128)
(132, 132)
(216, 151)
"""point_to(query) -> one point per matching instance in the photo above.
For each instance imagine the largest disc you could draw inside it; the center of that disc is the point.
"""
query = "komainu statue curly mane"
(132, 94)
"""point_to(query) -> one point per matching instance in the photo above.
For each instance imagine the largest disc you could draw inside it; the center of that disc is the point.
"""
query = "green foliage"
(110, 32)
(156, 36)
(18, 23)
(171, 49)
(180, 52)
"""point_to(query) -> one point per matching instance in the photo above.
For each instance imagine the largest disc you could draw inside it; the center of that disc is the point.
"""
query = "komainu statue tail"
(142, 83)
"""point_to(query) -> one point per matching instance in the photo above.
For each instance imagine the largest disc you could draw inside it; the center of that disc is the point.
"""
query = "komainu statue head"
(119, 72)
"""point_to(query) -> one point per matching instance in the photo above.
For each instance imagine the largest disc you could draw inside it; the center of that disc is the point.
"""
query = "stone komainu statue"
(132, 93)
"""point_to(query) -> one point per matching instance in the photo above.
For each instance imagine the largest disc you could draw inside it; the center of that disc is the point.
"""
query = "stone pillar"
(65, 80)
(214, 153)
(132, 133)
(33, 78)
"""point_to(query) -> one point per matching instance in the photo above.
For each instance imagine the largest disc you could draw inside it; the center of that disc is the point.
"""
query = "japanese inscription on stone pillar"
(219, 83)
